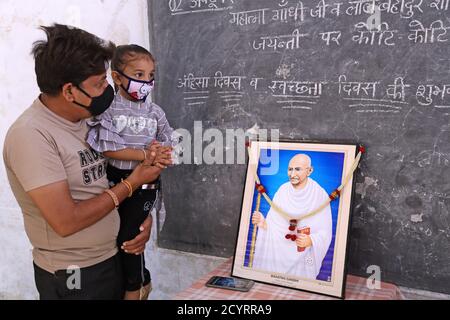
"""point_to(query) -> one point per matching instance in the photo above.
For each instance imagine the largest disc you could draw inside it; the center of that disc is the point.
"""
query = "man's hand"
(303, 241)
(137, 245)
(258, 219)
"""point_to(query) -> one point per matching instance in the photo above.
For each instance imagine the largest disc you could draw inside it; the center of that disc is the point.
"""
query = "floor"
(167, 283)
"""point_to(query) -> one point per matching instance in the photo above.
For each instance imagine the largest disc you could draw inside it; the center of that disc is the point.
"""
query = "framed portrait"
(295, 215)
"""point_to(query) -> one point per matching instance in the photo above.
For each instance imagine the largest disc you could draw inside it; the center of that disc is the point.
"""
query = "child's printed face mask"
(138, 89)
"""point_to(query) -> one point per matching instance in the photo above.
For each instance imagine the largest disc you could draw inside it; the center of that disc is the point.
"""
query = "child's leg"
(145, 291)
(133, 212)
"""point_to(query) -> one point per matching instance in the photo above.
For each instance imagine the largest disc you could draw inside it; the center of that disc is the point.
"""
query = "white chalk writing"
(244, 18)
(364, 97)
(288, 42)
(230, 82)
(426, 94)
(405, 8)
(180, 7)
(440, 5)
(329, 36)
(193, 83)
(397, 91)
(360, 7)
(382, 36)
(297, 87)
(436, 32)
(357, 88)
(285, 12)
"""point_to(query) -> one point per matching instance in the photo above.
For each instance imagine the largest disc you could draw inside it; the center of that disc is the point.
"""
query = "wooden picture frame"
(302, 242)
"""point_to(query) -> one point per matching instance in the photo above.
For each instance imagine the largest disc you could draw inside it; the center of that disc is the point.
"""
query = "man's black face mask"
(98, 104)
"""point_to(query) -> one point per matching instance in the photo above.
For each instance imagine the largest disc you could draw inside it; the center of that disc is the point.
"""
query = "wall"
(315, 73)
(122, 21)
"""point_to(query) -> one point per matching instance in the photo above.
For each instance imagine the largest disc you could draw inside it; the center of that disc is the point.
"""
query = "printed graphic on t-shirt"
(120, 122)
(135, 124)
(94, 165)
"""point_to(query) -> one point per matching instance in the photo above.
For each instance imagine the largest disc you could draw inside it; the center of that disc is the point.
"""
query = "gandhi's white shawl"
(274, 253)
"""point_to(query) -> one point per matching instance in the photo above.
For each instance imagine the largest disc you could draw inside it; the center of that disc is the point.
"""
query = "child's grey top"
(128, 124)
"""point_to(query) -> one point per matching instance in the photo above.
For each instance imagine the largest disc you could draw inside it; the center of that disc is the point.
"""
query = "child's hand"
(163, 157)
(152, 152)
(159, 156)
(150, 161)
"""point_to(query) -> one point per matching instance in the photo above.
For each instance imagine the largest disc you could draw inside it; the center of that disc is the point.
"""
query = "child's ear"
(116, 78)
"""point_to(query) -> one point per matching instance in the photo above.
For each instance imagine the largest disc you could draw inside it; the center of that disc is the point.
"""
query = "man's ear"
(311, 169)
(66, 92)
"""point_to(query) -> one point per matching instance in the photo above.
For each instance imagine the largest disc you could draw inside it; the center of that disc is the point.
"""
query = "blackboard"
(321, 71)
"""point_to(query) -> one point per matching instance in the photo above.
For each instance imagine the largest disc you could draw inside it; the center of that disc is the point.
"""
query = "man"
(275, 252)
(70, 213)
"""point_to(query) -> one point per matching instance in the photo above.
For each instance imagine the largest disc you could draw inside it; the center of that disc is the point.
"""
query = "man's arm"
(67, 217)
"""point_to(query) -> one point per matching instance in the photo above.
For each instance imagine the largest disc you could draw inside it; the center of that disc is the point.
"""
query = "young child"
(126, 134)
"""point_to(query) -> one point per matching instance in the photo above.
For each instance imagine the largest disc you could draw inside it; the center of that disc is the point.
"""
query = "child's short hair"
(126, 53)
(69, 55)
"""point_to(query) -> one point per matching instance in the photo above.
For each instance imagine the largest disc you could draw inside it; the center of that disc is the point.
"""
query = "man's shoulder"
(29, 121)
(317, 186)
(284, 187)
(25, 128)
(31, 126)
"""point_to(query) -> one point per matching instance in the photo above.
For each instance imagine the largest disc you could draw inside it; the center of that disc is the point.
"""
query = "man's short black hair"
(69, 55)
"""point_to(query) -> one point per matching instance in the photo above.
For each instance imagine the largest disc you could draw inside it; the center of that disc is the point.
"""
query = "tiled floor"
(414, 294)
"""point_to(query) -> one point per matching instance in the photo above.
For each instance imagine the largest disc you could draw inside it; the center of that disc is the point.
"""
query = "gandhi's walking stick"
(255, 228)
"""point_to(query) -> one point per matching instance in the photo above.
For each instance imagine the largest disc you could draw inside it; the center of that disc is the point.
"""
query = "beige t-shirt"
(43, 148)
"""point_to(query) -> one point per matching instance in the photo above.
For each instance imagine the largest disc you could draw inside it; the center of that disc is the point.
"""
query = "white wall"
(122, 21)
